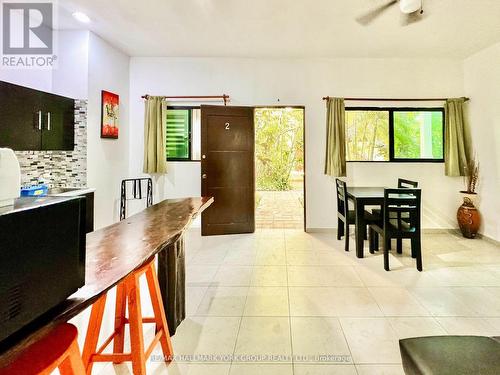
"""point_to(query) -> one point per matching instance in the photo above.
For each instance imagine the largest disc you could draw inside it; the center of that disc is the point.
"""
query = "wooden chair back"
(403, 201)
(342, 203)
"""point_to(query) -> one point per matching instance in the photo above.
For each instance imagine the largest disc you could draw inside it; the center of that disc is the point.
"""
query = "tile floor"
(285, 302)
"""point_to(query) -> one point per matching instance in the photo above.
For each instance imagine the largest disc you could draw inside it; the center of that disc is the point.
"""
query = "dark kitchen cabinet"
(32, 120)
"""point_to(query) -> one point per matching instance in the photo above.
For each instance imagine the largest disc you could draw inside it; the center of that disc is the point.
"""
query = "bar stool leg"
(161, 320)
(72, 364)
(93, 331)
(135, 320)
(120, 319)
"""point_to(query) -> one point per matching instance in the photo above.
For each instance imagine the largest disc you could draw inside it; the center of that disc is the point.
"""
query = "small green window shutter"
(178, 133)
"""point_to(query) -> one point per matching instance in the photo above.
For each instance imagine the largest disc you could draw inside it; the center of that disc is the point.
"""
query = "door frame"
(303, 107)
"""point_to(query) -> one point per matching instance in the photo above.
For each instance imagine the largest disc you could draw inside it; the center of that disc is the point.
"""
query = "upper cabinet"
(32, 120)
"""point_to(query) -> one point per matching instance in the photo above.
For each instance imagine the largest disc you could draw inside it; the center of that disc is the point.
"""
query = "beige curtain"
(155, 157)
(457, 140)
(335, 161)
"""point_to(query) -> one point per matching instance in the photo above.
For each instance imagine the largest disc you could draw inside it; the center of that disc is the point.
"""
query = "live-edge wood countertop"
(112, 253)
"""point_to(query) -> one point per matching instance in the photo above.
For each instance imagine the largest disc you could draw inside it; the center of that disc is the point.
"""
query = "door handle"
(39, 120)
(48, 120)
(204, 176)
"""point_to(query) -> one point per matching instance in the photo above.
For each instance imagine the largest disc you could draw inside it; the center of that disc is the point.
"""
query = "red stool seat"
(58, 349)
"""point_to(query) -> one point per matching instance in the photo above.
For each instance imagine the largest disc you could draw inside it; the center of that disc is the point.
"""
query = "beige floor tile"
(318, 258)
(197, 275)
(397, 302)
(442, 302)
(406, 327)
(209, 257)
(223, 301)
(317, 369)
(264, 336)
(486, 301)
(318, 340)
(495, 323)
(244, 257)
(269, 276)
(194, 296)
(269, 257)
(261, 369)
(323, 276)
(467, 326)
(187, 369)
(380, 370)
(371, 340)
(231, 275)
(327, 301)
(267, 301)
(206, 336)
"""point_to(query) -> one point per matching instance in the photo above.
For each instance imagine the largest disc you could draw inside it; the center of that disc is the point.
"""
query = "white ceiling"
(286, 28)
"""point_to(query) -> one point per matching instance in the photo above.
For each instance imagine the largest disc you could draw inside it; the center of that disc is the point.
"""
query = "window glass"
(418, 135)
(178, 133)
(367, 135)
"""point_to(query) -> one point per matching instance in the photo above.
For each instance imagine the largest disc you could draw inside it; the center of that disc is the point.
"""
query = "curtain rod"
(395, 100)
(224, 97)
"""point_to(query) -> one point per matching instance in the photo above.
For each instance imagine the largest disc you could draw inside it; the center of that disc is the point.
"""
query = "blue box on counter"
(34, 191)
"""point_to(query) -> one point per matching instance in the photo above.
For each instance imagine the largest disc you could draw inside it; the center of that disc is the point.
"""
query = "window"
(183, 134)
(395, 134)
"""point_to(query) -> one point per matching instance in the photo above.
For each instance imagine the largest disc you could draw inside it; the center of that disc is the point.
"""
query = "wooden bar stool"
(128, 294)
(59, 349)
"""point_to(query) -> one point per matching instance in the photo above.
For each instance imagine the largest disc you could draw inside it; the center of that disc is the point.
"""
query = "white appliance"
(10, 177)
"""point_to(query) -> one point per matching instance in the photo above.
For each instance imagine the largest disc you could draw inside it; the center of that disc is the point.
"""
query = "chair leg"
(371, 240)
(72, 364)
(135, 319)
(416, 249)
(160, 318)
(375, 242)
(93, 331)
(121, 301)
(365, 232)
(346, 234)
(399, 244)
(387, 242)
(340, 229)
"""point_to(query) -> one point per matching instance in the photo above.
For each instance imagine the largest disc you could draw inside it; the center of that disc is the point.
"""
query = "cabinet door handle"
(48, 120)
(39, 120)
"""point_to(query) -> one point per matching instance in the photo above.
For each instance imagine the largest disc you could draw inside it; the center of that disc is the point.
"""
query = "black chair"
(402, 183)
(401, 214)
(345, 216)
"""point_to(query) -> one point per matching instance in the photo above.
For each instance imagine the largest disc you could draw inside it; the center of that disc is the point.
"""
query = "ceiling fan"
(411, 9)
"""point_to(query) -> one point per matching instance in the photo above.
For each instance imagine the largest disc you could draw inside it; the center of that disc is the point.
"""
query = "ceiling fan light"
(410, 6)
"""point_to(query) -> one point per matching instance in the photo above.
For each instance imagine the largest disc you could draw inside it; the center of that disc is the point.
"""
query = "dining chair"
(402, 183)
(345, 216)
(401, 216)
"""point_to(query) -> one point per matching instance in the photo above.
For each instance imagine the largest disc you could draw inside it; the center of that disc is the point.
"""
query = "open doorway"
(279, 167)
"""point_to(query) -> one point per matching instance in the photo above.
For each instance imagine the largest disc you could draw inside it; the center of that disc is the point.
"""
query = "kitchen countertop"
(72, 193)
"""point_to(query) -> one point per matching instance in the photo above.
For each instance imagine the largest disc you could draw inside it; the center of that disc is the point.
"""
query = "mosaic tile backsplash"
(59, 168)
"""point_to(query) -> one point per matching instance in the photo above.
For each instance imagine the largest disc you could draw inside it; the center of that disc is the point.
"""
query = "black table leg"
(360, 229)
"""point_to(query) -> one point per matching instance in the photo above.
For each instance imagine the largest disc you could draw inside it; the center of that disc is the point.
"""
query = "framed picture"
(110, 114)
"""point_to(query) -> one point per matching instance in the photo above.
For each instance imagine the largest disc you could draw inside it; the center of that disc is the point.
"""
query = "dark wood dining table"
(113, 253)
(362, 197)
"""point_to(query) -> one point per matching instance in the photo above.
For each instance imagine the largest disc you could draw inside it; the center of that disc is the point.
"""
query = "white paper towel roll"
(10, 177)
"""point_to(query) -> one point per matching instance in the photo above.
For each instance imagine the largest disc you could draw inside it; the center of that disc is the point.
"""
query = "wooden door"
(21, 117)
(227, 169)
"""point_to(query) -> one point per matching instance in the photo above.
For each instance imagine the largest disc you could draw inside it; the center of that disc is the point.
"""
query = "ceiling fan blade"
(368, 17)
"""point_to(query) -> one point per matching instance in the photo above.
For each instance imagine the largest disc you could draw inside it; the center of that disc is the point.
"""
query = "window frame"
(190, 143)
(391, 111)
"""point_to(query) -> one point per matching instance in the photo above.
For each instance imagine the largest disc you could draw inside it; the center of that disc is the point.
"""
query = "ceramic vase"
(468, 216)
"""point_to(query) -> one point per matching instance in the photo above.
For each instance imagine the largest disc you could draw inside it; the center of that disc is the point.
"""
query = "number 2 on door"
(227, 126)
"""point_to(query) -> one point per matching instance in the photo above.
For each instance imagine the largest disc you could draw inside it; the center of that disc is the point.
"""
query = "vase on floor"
(468, 216)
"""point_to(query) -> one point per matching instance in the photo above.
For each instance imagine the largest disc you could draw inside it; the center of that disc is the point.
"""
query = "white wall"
(107, 159)
(70, 76)
(482, 78)
(303, 82)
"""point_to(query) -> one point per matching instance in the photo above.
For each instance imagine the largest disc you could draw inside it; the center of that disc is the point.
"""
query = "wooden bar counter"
(112, 253)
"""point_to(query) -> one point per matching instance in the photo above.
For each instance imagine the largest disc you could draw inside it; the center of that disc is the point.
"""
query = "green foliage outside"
(279, 147)
(418, 135)
(367, 135)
